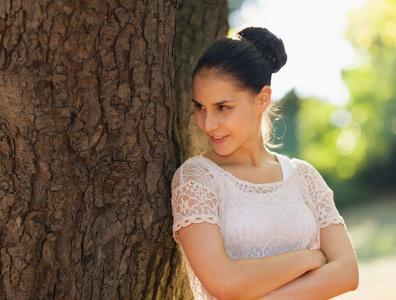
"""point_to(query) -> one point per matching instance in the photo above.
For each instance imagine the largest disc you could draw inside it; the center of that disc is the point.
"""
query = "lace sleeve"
(193, 198)
(322, 197)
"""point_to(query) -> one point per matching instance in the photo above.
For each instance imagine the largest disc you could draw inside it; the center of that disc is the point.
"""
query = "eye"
(223, 107)
(198, 106)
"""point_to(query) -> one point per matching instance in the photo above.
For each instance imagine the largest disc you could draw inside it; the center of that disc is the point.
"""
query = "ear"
(264, 98)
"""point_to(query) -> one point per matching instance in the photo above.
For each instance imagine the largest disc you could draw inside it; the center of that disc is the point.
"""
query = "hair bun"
(270, 46)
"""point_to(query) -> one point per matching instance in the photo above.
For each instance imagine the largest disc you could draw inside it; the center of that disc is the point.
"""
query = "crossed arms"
(300, 274)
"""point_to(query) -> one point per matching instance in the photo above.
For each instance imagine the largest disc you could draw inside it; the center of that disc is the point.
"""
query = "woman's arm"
(338, 276)
(242, 278)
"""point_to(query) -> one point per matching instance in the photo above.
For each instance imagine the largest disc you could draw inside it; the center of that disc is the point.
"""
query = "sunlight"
(313, 35)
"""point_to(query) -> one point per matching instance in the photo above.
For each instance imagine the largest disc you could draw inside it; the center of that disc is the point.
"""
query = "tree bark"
(88, 149)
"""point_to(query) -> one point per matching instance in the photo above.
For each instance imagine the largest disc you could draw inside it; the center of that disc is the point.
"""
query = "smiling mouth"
(218, 139)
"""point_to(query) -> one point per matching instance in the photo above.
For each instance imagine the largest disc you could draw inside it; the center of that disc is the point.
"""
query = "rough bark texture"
(87, 144)
(87, 149)
(199, 24)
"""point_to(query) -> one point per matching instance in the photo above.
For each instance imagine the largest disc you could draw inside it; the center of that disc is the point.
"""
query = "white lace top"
(255, 220)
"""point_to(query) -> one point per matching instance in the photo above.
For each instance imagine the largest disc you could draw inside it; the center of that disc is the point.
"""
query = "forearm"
(242, 278)
(328, 281)
(253, 278)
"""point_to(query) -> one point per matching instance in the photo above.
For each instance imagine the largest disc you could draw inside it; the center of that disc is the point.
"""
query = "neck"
(253, 156)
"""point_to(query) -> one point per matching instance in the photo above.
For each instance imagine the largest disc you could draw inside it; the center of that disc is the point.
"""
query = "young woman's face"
(229, 116)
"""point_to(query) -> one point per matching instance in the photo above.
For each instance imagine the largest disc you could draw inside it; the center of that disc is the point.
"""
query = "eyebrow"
(214, 104)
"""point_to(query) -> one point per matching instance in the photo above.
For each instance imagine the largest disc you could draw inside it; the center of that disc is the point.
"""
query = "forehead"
(213, 90)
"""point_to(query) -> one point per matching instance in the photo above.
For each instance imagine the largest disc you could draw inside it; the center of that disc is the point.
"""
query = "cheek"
(249, 121)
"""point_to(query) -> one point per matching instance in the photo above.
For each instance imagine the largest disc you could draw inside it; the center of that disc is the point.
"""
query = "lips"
(218, 139)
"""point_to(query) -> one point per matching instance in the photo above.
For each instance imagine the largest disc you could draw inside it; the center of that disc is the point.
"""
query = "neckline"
(245, 182)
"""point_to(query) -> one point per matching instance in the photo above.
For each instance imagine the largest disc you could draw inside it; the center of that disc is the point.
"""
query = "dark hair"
(250, 59)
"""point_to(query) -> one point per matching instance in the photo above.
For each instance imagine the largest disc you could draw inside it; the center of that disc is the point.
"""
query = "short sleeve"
(194, 197)
(322, 197)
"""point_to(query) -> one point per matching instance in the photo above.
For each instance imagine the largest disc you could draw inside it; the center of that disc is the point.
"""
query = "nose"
(210, 123)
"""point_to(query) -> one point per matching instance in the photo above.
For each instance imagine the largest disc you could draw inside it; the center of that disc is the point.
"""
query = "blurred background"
(337, 95)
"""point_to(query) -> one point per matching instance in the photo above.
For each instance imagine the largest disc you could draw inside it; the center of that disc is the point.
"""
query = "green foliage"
(354, 147)
(373, 34)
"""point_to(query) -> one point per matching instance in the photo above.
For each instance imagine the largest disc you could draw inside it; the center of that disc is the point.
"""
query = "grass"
(372, 227)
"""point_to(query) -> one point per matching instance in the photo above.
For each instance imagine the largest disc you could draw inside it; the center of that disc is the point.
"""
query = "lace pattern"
(255, 220)
(322, 196)
(194, 199)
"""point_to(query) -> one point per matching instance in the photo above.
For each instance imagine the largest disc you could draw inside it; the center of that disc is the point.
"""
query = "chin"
(222, 152)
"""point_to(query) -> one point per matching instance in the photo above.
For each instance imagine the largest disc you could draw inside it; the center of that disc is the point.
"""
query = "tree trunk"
(88, 149)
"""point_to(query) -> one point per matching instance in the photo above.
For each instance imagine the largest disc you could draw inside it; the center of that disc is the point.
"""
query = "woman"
(253, 224)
